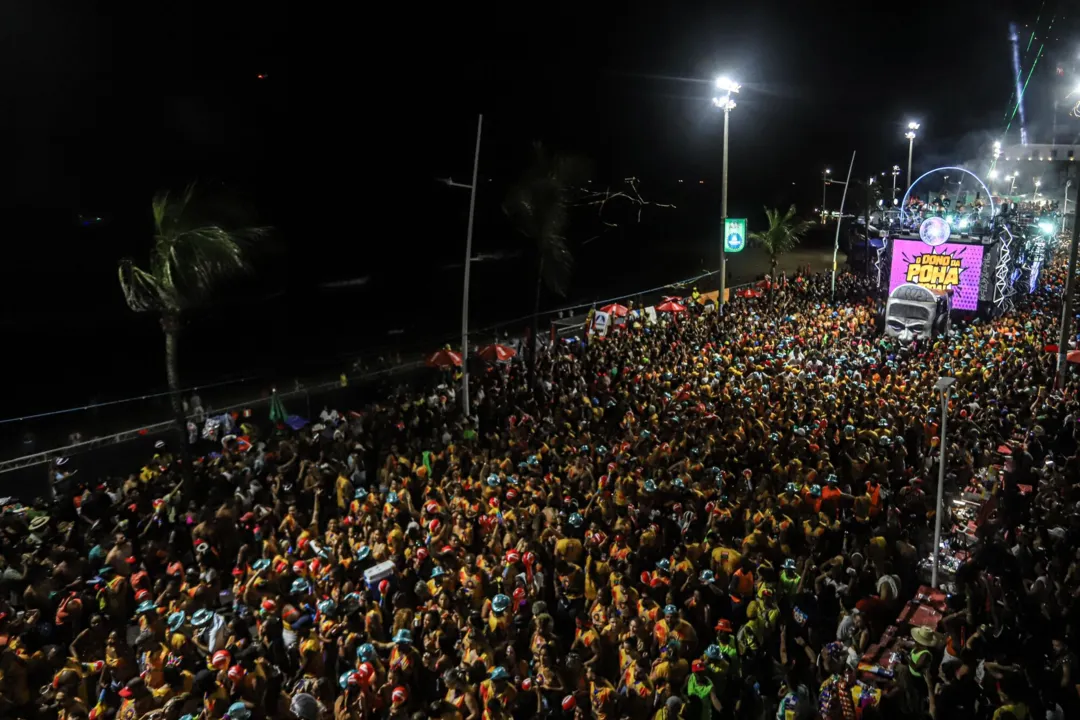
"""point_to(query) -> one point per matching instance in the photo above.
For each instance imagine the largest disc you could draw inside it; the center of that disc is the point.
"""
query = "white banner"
(601, 321)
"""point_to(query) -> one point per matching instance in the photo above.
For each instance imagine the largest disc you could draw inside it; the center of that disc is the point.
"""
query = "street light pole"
(1066, 309)
(824, 184)
(942, 386)
(910, 135)
(895, 172)
(839, 221)
(468, 266)
(1065, 205)
(727, 104)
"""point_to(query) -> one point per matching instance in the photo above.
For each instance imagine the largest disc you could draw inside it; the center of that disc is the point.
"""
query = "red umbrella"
(444, 358)
(616, 309)
(671, 305)
(496, 353)
(1073, 356)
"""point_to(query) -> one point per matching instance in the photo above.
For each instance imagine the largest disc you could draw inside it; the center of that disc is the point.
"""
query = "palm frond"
(538, 205)
(186, 261)
(784, 232)
(142, 291)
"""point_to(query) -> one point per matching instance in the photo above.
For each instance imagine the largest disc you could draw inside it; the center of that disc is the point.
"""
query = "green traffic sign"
(734, 234)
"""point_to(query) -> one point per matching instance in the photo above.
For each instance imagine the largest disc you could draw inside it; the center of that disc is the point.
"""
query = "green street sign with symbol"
(734, 234)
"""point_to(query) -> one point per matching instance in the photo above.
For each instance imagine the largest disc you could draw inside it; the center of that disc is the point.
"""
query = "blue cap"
(363, 552)
(366, 652)
(670, 610)
(403, 637)
(238, 711)
(146, 606)
(260, 564)
(176, 620)
(202, 617)
(299, 586)
(713, 652)
(499, 673)
(500, 603)
(576, 520)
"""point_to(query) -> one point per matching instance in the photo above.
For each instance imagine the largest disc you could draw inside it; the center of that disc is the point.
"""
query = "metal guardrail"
(51, 455)
(47, 456)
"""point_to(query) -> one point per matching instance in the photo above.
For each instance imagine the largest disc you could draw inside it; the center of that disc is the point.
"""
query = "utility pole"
(1067, 310)
(468, 266)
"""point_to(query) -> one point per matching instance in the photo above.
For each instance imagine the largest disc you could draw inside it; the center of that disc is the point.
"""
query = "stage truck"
(931, 278)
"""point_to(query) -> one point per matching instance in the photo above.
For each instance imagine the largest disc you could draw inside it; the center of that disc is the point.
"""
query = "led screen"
(949, 266)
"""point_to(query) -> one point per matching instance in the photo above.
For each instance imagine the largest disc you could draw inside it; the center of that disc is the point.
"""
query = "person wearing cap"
(790, 579)
(672, 709)
(135, 700)
(674, 626)
(726, 644)
(921, 658)
(498, 688)
(701, 691)
(404, 658)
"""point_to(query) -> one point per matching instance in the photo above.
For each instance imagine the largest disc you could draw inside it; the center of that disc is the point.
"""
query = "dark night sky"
(364, 106)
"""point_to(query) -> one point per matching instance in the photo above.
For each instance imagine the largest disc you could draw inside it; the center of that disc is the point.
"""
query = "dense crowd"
(713, 517)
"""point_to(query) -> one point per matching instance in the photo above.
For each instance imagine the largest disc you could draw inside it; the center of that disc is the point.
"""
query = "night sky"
(338, 148)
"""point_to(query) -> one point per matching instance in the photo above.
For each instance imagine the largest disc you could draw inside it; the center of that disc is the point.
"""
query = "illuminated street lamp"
(910, 135)
(726, 103)
(1038, 182)
(895, 172)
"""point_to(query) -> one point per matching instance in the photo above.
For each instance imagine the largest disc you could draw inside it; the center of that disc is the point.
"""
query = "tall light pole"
(1035, 197)
(910, 135)
(727, 104)
(895, 172)
(468, 266)
(1065, 204)
(824, 184)
(942, 386)
(1066, 308)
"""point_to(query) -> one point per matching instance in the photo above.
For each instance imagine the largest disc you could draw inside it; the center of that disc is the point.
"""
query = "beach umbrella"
(615, 310)
(277, 410)
(444, 358)
(496, 353)
(671, 305)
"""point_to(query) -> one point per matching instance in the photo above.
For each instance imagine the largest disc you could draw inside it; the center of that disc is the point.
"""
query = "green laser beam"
(1024, 89)
(1030, 40)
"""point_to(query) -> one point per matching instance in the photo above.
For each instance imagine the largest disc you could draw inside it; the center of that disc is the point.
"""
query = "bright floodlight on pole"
(727, 84)
(993, 174)
(727, 104)
(942, 386)
(910, 135)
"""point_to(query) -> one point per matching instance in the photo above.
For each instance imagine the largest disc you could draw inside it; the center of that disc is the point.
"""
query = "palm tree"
(186, 261)
(538, 204)
(785, 231)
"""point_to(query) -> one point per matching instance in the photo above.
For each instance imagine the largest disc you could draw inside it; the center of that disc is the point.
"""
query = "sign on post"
(734, 234)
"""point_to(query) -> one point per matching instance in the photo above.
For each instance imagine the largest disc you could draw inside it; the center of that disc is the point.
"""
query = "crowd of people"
(711, 517)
